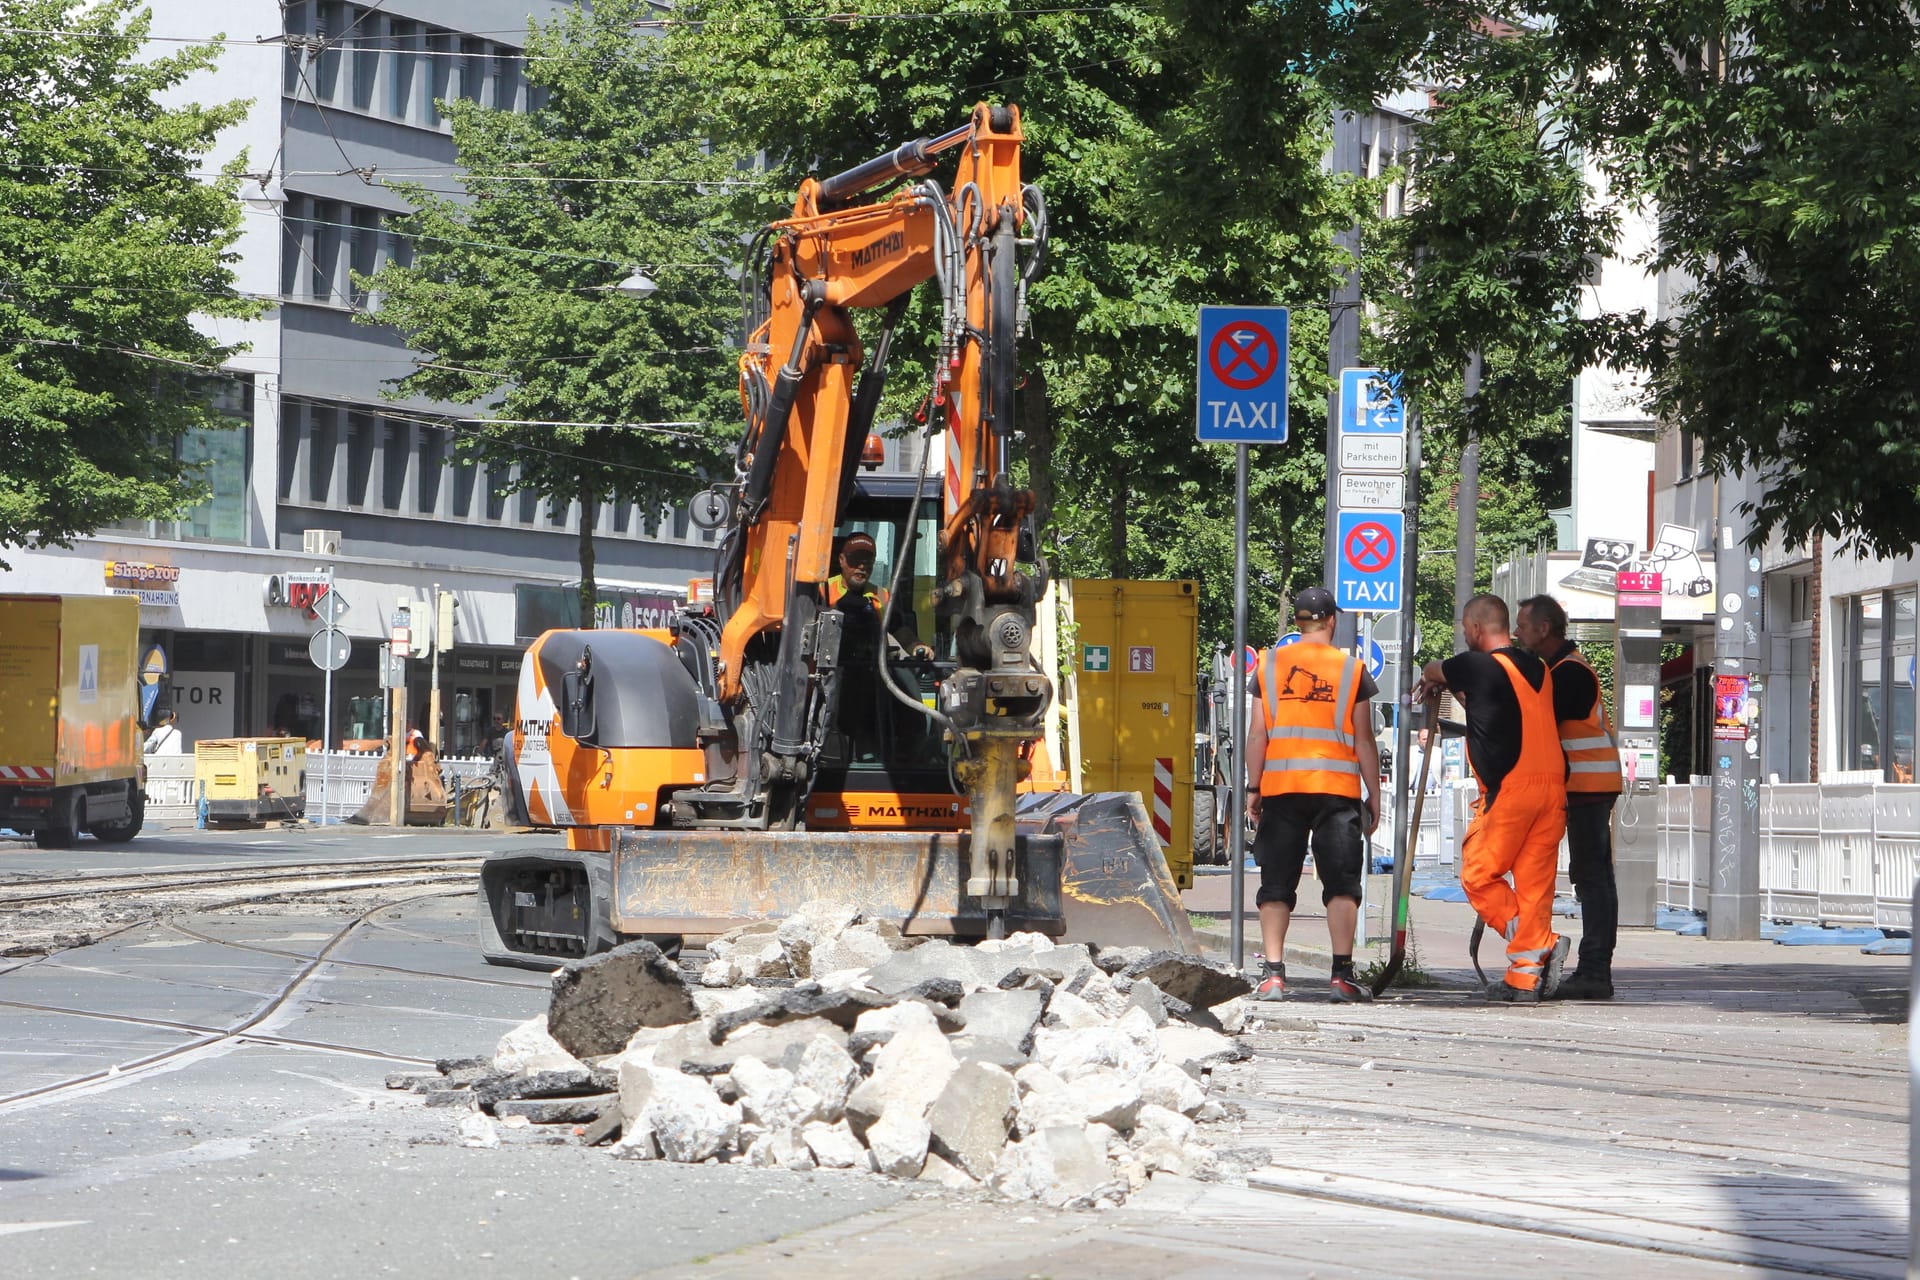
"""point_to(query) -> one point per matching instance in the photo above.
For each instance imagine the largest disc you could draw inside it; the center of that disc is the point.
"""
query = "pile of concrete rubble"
(1044, 1072)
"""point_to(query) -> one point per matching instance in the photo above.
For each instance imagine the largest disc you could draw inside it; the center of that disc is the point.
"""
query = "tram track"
(71, 888)
(205, 1040)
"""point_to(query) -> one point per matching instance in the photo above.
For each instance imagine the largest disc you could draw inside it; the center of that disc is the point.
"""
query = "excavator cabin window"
(881, 734)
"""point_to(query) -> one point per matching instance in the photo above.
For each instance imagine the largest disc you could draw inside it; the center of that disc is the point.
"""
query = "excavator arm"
(811, 393)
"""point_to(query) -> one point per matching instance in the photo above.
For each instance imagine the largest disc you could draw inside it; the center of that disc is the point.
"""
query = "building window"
(433, 460)
(360, 454)
(323, 428)
(1800, 598)
(506, 82)
(366, 50)
(1877, 710)
(1689, 462)
(396, 449)
(401, 65)
(324, 75)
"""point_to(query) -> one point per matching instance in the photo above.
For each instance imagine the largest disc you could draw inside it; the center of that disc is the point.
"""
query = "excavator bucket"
(1089, 867)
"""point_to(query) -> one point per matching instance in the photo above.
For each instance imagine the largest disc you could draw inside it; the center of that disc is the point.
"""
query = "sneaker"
(1550, 975)
(1347, 989)
(1501, 993)
(1273, 985)
(1584, 986)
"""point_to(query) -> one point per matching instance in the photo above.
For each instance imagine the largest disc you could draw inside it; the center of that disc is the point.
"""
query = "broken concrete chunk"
(1201, 983)
(1075, 1052)
(1118, 959)
(416, 1081)
(858, 948)
(834, 1146)
(1106, 1097)
(530, 1047)
(898, 1141)
(1232, 1015)
(1024, 940)
(1164, 1141)
(1150, 1000)
(1167, 1085)
(600, 1002)
(1068, 1010)
(578, 1110)
(1098, 991)
(1140, 1028)
(605, 1129)
(1059, 1167)
(479, 1131)
(909, 1073)
(764, 1093)
(1194, 1049)
(690, 1050)
(545, 1084)
(826, 1070)
(940, 1173)
(1000, 1026)
(969, 1121)
(453, 1098)
(683, 1114)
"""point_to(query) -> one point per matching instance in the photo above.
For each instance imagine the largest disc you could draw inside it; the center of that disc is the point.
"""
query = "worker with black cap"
(1313, 775)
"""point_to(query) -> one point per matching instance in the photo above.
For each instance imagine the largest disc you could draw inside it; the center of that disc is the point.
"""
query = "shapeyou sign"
(152, 584)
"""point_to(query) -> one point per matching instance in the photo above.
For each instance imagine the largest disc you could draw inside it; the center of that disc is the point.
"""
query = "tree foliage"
(509, 292)
(1179, 168)
(109, 242)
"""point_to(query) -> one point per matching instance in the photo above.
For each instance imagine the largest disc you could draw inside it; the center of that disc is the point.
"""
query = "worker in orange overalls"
(1310, 749)
(1594, 782)
(1513, 745)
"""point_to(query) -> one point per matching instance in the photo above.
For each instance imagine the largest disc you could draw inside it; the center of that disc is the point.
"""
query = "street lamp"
(637, 285)
(262, 192)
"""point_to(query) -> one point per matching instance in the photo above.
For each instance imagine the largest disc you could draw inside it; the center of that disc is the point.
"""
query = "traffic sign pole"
(1409, 657)
(1237, 820)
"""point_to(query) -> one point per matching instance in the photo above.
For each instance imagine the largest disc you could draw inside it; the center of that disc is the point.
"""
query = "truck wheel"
(1205, 828)
(63, 822)
(121, 832)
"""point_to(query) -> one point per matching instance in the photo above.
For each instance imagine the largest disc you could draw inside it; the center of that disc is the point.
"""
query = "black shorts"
(1336, 826)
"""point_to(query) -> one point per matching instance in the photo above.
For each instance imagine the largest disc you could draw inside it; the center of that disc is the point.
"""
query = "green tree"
(1767, 134)
(509, 289)
(110, 242)
(1174, 176)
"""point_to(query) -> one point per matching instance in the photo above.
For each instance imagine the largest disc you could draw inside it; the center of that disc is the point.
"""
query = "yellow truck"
(70, 735)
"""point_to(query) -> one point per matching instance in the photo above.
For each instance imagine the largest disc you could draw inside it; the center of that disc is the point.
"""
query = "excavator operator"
(854, 592)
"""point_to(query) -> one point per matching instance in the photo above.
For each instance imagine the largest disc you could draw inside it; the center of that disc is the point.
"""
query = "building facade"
(330, 477)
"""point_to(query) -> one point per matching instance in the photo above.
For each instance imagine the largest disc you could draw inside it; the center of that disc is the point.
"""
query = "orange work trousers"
(1518, 835)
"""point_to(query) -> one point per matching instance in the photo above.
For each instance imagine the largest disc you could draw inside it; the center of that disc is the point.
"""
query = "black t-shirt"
(1493, 713)
(1575, 689)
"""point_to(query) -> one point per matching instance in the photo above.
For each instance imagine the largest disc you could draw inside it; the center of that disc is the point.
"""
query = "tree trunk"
(1117, 520)
(589, 589)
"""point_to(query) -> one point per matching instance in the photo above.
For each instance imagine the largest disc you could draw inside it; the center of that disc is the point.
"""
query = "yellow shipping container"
(1132, 651)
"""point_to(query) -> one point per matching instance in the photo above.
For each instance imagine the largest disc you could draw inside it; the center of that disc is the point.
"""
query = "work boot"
(1347, 989)
(1550, 975)
(1580, 985)
(1502, 993)
(1273, 983)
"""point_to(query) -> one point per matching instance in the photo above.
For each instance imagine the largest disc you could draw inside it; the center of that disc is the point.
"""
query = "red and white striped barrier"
(1163, 799)
(24, 773)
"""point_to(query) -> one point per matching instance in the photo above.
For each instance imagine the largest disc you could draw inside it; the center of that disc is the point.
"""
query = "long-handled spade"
(1403, 865)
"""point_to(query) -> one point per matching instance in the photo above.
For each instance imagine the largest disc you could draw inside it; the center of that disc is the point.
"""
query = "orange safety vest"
(837, 591)
(1310, 733)
(1593, 753)
(1540, 753)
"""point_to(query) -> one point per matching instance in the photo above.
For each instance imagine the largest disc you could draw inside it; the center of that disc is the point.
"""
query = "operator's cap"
(1314, 604)
(857, 540)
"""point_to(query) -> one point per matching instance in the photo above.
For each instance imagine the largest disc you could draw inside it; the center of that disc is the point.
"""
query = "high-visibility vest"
(1310, 732)
(837, 591)
(1540, 753)
(1593, 753)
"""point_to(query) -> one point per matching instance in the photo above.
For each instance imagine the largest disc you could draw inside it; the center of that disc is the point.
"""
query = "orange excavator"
(789, 738)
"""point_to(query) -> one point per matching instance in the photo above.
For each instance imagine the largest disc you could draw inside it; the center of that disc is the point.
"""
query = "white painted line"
(13, 1228)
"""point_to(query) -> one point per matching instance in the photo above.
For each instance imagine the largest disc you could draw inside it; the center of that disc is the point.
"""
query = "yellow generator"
(1131, 653)
(251, 779)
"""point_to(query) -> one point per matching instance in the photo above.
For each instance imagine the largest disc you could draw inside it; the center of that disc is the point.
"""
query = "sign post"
(1242, 400)
(329, 650)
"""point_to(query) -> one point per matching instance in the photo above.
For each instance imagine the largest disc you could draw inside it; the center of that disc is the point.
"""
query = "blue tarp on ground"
(1812, 935)
(1445, 893)
(1684, 923)
(1569, 907)
(1889, 947)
